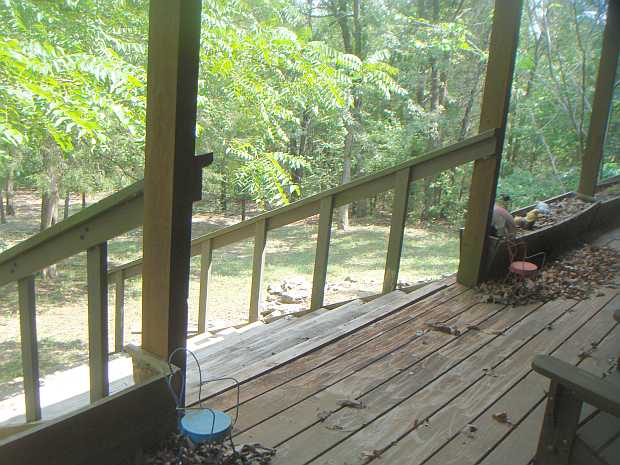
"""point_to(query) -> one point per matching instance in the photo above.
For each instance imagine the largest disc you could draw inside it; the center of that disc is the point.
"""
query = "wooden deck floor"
(428, 397)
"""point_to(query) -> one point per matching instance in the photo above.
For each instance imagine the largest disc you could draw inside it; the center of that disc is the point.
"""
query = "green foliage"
(279, 96)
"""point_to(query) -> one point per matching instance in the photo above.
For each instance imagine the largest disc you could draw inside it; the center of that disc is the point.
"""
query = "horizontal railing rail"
(89, 231)
(92, 228)
(398, 177)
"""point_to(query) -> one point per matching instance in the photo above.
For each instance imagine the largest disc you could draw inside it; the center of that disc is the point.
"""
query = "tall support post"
(258, 265)
(601, 106)
(494, 114)
(173, 57)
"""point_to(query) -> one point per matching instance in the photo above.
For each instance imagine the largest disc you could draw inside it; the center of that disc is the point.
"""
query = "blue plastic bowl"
(198, 425)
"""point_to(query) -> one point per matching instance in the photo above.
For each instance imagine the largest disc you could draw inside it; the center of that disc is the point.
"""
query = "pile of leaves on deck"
(574, 275)
(558, 211)
(178, 447)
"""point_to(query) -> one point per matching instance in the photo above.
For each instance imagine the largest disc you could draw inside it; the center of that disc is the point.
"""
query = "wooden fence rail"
(92, 228)
(89, 230)
(398, 178)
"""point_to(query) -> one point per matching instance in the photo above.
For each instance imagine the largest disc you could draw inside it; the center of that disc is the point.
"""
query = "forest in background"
(296, 96)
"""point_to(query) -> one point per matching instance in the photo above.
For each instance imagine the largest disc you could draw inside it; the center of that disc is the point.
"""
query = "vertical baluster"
(96, 266)
(30, 353)
(119, 311)
(205, 275)
(397, 230)
(258, 264)
(322, 252)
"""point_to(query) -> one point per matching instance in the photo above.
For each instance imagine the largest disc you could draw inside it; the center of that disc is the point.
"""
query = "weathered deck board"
(516, 401)
(528, 337)
(387, 354)
(457, 297)
(409, 357)
(380, 396)
(256, 362)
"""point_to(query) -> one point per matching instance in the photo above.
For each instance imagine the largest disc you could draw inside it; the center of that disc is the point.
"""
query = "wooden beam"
(258, 265)
(30, 352)
(559, 426)
(119, 311)
(206, 257)
(323, 239)
(97, 277)
(107, 432)
(480, 146)
(98, 223)
(601, 105)
(397, 230)
(494, 112)
(174, 41)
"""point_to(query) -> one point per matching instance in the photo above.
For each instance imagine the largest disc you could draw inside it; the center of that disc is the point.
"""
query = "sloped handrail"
(108, 218)
(398, 177)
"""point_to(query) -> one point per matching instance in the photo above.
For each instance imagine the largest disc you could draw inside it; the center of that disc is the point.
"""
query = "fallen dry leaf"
(501, 417)
(358, 404)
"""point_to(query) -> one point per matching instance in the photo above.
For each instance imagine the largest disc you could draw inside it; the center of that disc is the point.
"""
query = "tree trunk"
(49, 199)
(343, 212)
(10, 193)
(243, 206)
(2, 215)
(223, 197)
(83, 199)
(67, 204)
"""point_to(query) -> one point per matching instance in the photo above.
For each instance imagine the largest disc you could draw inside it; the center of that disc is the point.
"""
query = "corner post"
(494, 114)
(173, 58)
(601, 106)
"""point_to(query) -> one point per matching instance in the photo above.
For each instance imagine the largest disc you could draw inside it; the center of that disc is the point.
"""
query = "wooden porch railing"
(89, 230)
(398, 178)
(92, 228)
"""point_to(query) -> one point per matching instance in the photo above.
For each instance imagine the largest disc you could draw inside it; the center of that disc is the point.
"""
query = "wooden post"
(174, 40)
(258, 264)
(119, 311)
(397, 230)
(30, 353)
(559, 426)
(326, 214)
(97, 277)
(494, 112)
(601, 105)
(206, 256)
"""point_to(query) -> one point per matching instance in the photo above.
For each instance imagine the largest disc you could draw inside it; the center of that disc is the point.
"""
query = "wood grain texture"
(397, 230)
(321, 259)
(460, 300)
(453, 447)
(493, 114)
(119, 311)
(173, 56)
(97, 279)
(206, 259)
(483, 145)
(258, 266)
(29, 347)
(107, 432)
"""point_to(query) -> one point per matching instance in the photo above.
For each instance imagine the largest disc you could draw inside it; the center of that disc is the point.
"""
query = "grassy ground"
(358, 253)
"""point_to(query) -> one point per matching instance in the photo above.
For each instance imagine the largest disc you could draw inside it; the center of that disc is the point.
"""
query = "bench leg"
(559, 426)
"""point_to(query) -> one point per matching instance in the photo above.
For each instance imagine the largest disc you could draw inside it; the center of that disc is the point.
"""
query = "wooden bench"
(561, 441)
